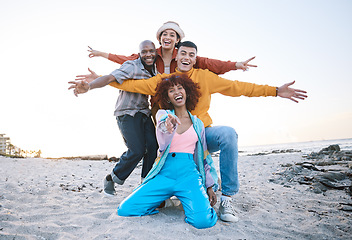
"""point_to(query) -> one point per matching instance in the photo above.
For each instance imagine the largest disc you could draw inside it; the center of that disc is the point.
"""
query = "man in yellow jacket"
(221, 138)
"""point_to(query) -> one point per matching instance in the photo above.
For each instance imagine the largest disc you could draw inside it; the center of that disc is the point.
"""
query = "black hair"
(188, 44)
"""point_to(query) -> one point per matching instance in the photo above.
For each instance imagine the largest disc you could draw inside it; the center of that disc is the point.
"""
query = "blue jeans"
(178, 177)
(138, 133)
(224, 138)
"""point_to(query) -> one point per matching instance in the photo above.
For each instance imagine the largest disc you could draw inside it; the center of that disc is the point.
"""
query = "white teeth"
(178, 97)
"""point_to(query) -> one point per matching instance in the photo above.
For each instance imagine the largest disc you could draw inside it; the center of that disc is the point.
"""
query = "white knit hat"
(170, 25)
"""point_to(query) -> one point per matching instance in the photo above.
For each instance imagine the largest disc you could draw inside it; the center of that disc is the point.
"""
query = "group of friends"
(172, 130)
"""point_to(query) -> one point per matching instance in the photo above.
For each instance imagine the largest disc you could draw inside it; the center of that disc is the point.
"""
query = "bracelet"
(277, 90)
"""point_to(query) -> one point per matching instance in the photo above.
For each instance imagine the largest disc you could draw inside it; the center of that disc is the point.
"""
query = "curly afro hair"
(191, 88)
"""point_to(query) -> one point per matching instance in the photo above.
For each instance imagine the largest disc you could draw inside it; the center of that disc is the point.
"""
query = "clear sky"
(44, 45)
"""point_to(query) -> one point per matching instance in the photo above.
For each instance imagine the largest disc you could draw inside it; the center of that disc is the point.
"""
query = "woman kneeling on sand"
(182, 168)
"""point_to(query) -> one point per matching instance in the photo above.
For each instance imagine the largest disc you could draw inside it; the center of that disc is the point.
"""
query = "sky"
(44, 45)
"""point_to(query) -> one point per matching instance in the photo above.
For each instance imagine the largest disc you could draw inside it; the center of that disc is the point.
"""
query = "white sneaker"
(227, 211)
(172, 202)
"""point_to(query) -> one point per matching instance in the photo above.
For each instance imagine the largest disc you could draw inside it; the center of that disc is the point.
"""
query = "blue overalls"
(178, 177)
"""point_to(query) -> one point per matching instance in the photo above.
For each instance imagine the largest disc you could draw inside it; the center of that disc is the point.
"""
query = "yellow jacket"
(209, 83)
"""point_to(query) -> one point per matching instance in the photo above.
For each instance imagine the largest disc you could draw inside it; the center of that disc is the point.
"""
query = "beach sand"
(63, 199)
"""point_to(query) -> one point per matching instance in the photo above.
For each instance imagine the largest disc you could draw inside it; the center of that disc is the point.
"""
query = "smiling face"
(186, 58)
(177, 90)
(177, 96)
(168, 39)
(147, 53)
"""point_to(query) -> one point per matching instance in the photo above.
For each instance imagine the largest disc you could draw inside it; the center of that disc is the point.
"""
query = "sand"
(63, 199)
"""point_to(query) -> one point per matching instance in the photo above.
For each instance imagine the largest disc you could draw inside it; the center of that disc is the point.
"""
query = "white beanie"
(170, 25)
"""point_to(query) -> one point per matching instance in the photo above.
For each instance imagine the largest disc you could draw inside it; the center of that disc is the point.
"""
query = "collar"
(141, 65)
(189, 73)
(174, 52)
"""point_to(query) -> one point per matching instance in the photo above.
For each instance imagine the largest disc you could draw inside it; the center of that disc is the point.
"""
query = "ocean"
(304, 147)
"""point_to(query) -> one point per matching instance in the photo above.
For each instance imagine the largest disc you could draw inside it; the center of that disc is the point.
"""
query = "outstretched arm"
(285, 91)
(96, 53)
(221, 67)
(165, 128)
(217, 84)
(120, 59)
(90, 81)
(82, 86)
(143, 86)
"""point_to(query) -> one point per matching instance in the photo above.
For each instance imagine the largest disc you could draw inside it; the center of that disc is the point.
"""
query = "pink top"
(185, 142)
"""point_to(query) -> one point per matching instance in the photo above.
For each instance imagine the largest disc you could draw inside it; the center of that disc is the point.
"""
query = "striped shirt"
(127, 102)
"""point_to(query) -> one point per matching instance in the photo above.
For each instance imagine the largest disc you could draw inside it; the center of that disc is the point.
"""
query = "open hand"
(88, 77)
(285, 91)
(79, 87)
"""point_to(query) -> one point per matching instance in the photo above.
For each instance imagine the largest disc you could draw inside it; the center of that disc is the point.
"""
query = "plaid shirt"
(127, 102)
